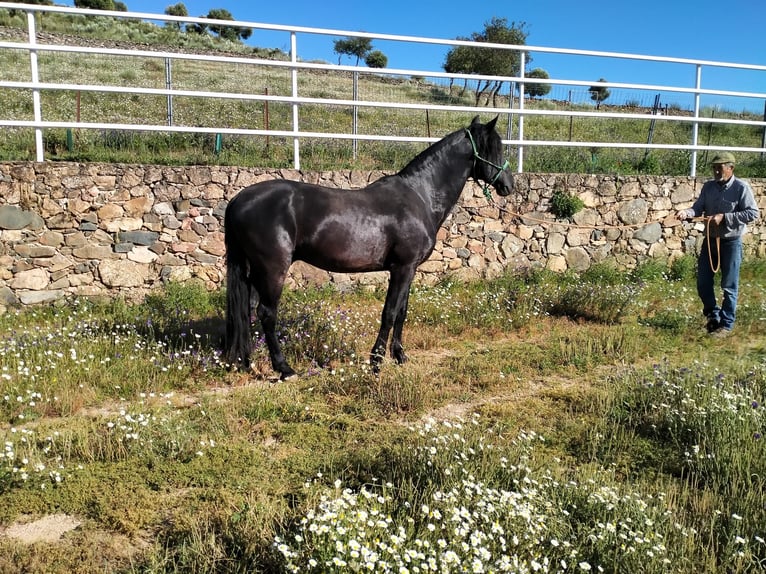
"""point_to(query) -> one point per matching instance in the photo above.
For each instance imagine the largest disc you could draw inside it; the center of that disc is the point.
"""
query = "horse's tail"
(237, 343)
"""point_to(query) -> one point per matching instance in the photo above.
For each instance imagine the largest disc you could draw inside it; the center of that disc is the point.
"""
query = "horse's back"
(335, 229)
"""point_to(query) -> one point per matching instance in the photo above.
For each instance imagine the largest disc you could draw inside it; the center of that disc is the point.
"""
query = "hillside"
(319, 154)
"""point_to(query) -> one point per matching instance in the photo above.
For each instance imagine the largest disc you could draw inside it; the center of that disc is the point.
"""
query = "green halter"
(500, 169)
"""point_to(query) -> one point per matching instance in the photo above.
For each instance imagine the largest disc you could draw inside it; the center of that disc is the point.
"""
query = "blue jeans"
(731, 259)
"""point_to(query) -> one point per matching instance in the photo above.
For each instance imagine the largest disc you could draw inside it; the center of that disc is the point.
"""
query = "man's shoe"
(712, 325)
(720, 333)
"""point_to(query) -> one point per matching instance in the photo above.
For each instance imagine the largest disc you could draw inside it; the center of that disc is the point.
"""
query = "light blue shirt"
(734, 199)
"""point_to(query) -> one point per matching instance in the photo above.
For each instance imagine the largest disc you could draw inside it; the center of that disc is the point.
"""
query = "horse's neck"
(439, 176)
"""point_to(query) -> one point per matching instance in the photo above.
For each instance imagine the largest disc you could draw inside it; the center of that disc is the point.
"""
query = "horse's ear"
(475, 121)
(491, 123)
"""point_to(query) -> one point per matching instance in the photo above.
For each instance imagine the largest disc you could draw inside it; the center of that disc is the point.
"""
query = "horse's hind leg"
(269, 288)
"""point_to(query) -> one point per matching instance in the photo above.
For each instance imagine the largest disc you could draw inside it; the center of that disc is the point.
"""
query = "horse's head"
(489, 165)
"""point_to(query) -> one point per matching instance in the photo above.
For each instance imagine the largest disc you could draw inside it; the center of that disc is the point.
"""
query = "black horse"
(389, 225)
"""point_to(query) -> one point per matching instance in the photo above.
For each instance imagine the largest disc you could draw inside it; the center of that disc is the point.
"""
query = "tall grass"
(517, 438)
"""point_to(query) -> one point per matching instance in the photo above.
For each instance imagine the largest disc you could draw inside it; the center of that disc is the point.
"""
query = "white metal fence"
(294, 68)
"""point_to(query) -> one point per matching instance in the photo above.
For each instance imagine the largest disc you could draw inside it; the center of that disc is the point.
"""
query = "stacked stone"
(102, 230)
(110, 229)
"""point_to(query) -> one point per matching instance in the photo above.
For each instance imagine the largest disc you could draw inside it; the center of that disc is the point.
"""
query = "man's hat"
(722, 157)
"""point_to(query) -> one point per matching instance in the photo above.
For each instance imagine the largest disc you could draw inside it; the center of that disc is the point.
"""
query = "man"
(728, 205)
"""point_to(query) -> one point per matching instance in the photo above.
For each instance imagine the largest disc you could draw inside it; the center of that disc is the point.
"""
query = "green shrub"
(564, 204)
(602, 303)
(650, 270)
(683, 268)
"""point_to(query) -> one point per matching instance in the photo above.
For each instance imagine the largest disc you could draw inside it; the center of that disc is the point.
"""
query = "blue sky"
(703, 29)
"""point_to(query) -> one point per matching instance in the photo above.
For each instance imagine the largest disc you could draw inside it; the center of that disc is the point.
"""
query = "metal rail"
(295, 66)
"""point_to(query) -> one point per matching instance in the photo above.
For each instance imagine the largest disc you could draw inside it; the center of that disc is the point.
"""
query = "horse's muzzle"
(504, 183)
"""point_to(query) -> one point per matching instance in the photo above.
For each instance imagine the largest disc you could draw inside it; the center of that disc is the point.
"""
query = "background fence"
(51, 84)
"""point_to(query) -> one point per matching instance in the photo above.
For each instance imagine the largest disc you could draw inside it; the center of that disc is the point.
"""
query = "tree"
(459, 60)
(95, 4)
(12, 12)
(537, 90)
(376, 59)
(352, 47)
(599, 93)
(41, 2)
(489, 61)
(197, 28)
(120, 6)
(176, 10)
(233, 33)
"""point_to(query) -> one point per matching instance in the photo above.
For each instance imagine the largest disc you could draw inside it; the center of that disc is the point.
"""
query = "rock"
(683, 193)
(12, 217)
(649, 234)
(633, 212)
(577, 259)
(93, 252)
(555, 243)
(7, 297)
(511, 246)
(176, 274)
(121, 273)
(557, 263)
(142, 254)
(37, 297)
(33, 279)
(139, 237)
(52, 238)
(138, 206)
(124, 224)
(164, 208)
(34, 250)
(110, 211)
(213, 244)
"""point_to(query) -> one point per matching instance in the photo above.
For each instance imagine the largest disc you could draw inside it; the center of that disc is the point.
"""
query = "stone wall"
(106, 229)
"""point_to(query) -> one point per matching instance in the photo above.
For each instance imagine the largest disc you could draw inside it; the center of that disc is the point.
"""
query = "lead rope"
(716, 267)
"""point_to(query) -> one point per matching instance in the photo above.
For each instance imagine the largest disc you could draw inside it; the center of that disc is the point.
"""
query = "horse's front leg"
(397, 349)
(395, 305)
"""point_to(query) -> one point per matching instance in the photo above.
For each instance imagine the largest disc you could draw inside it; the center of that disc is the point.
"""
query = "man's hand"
(717, 219)
(683, 214)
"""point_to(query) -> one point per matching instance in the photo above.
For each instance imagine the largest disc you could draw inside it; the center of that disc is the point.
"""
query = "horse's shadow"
(205, 334)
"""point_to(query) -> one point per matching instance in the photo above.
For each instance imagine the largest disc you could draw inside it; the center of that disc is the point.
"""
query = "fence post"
(168, 86)
(695, 125)
(294, 75)
(35, 92)
(522, 64)
(266, 122)
(509, 127)
(763, 140)
(355, 113)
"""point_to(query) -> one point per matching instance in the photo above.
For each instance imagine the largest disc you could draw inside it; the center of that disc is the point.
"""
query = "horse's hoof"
(288, 376)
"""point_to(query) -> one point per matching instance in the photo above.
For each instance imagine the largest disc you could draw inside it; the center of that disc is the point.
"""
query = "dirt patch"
(46, 529)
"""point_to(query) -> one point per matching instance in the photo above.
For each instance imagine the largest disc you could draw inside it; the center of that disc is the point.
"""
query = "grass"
(535, 428)
(316, 154)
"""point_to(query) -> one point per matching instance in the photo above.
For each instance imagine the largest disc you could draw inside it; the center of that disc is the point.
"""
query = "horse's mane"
(414, 164)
